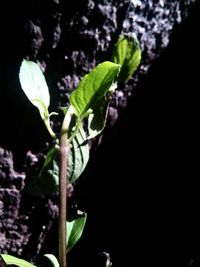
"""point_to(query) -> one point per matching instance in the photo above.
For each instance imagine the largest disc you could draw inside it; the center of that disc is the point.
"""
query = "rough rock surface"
(67, 38)
(9, 177)
(12, 225)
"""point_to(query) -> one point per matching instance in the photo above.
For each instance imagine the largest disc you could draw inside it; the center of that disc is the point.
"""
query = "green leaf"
(16, 261)
(93, 87)
(34, 86)
(75, 230)
(53, 260)
(47, 182)
(78, 156)
(97, 119)
(127, 53)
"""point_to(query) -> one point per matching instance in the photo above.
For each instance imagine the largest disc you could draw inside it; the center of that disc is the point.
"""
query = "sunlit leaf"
(127, 53)
(16, 261)
(75, 230)
(93, 87)
(34, 86)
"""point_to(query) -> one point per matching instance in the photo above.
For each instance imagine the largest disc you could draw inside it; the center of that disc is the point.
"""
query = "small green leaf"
(53, 260)
(127, 53)
(93, 87)
(75, 230)
(47, 182)
(64, 110)
(97, 119)
(34, 85)
(16, 261)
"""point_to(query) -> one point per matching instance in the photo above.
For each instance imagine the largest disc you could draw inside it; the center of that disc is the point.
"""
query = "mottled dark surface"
(68, 38)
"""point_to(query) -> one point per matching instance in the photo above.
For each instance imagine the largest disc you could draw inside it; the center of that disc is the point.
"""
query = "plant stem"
(64, 151)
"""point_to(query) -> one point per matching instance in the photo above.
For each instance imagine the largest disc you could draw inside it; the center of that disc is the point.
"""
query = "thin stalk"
(64, 152)
(47, 124)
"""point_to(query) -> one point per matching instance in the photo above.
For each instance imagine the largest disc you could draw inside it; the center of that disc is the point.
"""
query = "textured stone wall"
(67, 38)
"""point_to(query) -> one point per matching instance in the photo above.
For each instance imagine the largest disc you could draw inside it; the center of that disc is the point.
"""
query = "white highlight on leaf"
(33, 83)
